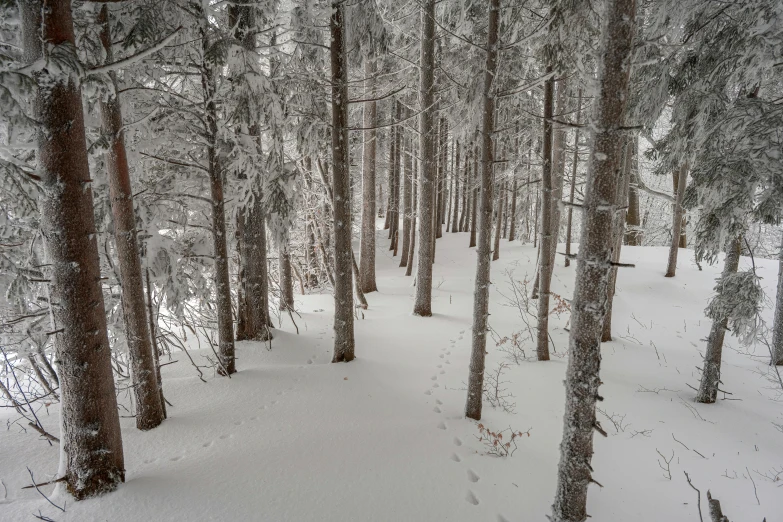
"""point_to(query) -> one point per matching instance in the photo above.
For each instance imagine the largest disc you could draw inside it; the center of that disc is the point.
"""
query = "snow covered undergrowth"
(292, 437)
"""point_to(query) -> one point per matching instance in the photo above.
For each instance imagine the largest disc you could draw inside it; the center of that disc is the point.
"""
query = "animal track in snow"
(457, 441)
(472, 476)
(437, 401)
(436, 409)
(471, 498)
(434, 377)
(428, 392)
(309, 361)
(442, 425)
(455, 457)
(441, 356)
(501, 518)
(225, 436)
(460, 337)
(440, 366)
(206, 444)
(175, 459)
(442, 372)
(238, 423)
(435, 385)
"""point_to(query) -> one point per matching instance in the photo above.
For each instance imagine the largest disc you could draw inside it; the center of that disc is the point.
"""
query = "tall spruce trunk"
(633, 232)
(412, 238)
(426, 209)
(777, 328)
(92, 459)
(548, 228)
(406, 202)
(149, 409)
(225, 318)
(677, 210)
(594, 267)
(683, 236)
(397, 168)
(474, 202)
(498, 223)
(483, 252)
(286, 277)
(367, 247)
(455, 174)
(574, 166)
(341, 187)
(253, 321)
(710, 374)
(463, 219)
(618, 231)
(512, 232)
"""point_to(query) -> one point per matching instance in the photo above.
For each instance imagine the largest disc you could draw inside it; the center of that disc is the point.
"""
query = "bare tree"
(483, 252)
(594, 264)
(426, 207)
(91, 442)
(341, 183)
(149, 408)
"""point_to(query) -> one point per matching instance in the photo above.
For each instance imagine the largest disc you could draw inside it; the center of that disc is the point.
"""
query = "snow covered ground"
(292, 437)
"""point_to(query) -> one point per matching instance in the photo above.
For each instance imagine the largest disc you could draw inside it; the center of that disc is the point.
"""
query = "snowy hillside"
(291, 437)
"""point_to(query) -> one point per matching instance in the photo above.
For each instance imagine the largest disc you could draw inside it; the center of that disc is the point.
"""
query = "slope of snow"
(292, 437)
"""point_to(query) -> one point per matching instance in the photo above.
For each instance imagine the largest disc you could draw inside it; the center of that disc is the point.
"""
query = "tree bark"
(367, 248)
(412, 238)
(710, 375)
(677, 210)
(286, 278)
(396, 170)
(593, 264)
(455, 206)
(548, 233)
(618, 231)
(225, 318)
(149, 411)
(343, 253)
(512, 233)
(574, 166)
(481, 293)
(777, 332)
(92, 459)
(423, 303)
(633, 233)
(474, 201)
(406, 202)
(498, 224)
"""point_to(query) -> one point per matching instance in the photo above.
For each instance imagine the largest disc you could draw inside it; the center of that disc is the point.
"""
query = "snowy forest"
(364, 260)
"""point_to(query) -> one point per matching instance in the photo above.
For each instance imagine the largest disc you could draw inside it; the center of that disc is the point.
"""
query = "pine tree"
(91, 442)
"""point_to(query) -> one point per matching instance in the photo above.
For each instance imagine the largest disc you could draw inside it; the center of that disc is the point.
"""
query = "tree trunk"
(512, 233)
(286, 278)
(474, 200)
(412, 238)
(225, 318)
(153, 337)
(481, 293)
(423, 302)
(633, 233)
(710, 375)
(367, 248)
(455, 226)
(341, 183)
(498, 225)
(92, 459)
(618, 231)
(777, 333)
(149, 411)
(574, 166)
(397, 168)
(548, 228)
(406, 202)
(677, 210)
(593, 265)
(464, 219)
(683, 240)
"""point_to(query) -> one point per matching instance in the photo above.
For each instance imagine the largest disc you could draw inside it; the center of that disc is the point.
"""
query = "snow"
(383, 438)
